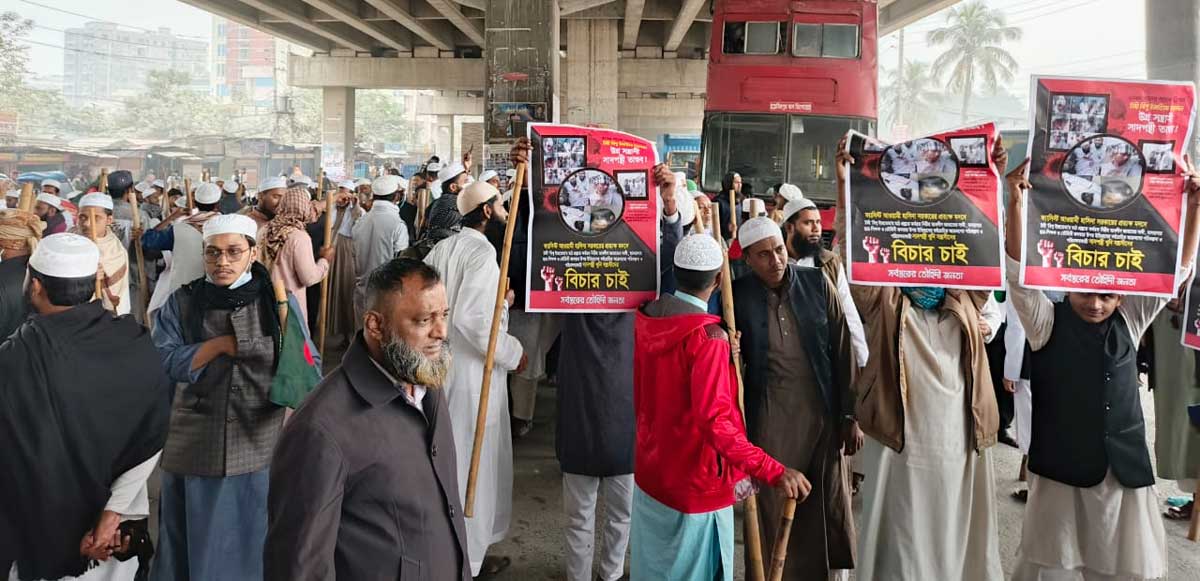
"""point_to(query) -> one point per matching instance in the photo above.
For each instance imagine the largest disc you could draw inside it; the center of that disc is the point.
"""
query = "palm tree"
(910, 96)
(974, 33)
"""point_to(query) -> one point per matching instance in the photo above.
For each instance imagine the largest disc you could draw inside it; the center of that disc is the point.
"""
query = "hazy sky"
(1051, 44)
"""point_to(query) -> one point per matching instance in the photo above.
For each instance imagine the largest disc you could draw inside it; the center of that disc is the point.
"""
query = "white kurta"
(930, 512)
(187, 263)
(467, 263)
(378, 237)
(1014, 358)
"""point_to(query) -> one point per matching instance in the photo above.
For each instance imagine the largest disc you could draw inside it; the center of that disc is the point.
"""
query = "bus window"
(752, 144)
(825, 40)
(753, 37)
(812, 152)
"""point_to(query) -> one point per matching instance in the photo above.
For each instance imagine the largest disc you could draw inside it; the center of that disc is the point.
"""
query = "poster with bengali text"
(593, 239)
(1107, 206)
(926, 212)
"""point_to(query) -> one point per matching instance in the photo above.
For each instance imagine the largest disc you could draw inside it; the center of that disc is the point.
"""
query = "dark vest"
(807, 291)
(1087, 416)
(225, 423)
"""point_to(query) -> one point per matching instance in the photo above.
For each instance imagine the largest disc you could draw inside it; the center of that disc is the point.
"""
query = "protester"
(230, 202)
(327, 487)
(1175, 383)
(19, 236)
(378, 236)
(342, 320)
(288, 249)
(83, 414)
(1093, 508)
(491, 177)
(114, 259)
(270, 194)
(731, 182)
(927, 403)
(444, 210)
(181, 234)
(801, 224)
(799, 408)
(691, 445)
(219, 338)
(49, 209)
(468, 266)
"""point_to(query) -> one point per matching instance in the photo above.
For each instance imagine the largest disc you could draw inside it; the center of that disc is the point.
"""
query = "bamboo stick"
(1194, 528)
(143, 285)
(323, 313)
(191, 200)
(27, 200)
(779, 555)
(752, 535)
(489, 363)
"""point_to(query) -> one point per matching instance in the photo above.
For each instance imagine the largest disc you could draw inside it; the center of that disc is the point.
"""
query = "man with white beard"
(376, 433)
(467, 262)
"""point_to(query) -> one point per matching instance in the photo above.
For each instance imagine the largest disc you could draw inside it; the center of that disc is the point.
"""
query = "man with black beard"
(362, 468)
(802, 231)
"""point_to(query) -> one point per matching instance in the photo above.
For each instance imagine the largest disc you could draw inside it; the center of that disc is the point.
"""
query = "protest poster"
(925, 212)
(1107, 205)
(593, 239)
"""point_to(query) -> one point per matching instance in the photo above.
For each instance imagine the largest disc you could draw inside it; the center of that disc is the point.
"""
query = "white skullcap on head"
(385, 185)
(141, 187)
(12, 194)
(230, 224)
(450, 171)
(181, 202)
(510, 173)
(699, 252)
(207, 194)
(790, 192)
(349, 185)
(301, 179)
(756, 229)
(231, 187)
(362, 182)
(52, 183)
(793, 206)
(159, 184)
(434, 167)
(272, 183)
(50, 200)
(488, 175)
(65, 256)
(213, 179)
(96, 200)
(474, 195)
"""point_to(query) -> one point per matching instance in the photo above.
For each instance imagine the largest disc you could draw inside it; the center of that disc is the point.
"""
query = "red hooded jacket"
(691, 440)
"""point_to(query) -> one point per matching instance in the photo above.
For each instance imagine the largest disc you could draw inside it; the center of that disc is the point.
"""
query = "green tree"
(909, 96)
(167, 109)
(379, 118)
(974, 35)
(306, 115)
(13, 54)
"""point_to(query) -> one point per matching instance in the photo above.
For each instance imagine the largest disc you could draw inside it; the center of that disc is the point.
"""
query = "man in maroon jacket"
(691, 446)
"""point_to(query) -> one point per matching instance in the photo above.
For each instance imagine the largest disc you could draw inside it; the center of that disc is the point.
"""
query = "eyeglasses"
(213, 255)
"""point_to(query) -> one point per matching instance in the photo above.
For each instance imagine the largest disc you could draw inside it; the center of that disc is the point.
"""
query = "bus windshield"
(769, 149)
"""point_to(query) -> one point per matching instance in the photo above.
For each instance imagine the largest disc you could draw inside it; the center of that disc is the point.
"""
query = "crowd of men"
(109, 390)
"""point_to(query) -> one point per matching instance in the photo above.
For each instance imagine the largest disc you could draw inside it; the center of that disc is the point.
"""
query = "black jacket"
(363, 486)
(1087, 415)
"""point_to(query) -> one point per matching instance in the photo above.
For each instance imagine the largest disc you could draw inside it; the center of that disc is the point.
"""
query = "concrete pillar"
(337, 132)
(591, 72)
(443, 137)
(521, 82)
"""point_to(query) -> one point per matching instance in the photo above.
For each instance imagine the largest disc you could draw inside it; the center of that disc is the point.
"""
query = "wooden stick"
(1194, 529)
(489, 363)
(422, 202)
(27, 200)
(323, 313)
(187, 192)
(733, 212)
(781, 539)
(143, 285)
(95, 231)
(752, 535)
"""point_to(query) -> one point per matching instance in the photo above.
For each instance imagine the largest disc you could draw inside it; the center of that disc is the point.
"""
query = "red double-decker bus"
(786, 79)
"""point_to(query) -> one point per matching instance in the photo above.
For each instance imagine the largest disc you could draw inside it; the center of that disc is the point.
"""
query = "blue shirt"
(159, 240)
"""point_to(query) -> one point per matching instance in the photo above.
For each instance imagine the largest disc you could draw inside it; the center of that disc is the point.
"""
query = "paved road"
(535, 541)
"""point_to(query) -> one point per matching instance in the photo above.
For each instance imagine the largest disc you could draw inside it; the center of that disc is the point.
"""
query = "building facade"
(104, 63)
(247, 66)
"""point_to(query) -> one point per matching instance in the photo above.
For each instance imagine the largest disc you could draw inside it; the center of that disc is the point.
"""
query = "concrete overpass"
(637, 65)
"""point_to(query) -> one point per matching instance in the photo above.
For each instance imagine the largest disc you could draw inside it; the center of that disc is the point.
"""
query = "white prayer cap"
(65, 256)
(52, 183)
(433, 167)
(301, 179)
(450, 171)
(349, 185)
(96, 200)
(231, 187)
(181, 202)
(50, 200)
(159, 184)
(213, 179)
(756, 229)
(474, 195)
(141, 187)
(230, 224)
(361, 182)
(272, 183)
(488, 175)
(12, 194)
(699, 252)
(510, 173)
(385, 185)
(793, 206)
(790, 192)
(207, 194)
